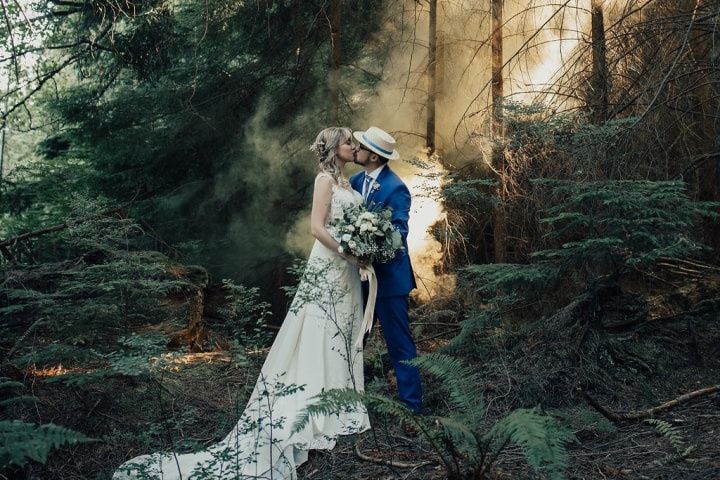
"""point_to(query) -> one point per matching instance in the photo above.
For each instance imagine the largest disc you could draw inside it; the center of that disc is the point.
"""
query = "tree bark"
(706, 55)
(498, 158)
(432, 79)
(599, 81)
(195, 334)
(335, 58)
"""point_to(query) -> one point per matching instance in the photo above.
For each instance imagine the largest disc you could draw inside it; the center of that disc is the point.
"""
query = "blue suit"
(395, 281)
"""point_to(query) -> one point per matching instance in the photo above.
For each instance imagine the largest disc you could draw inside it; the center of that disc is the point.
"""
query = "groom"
(381, 187)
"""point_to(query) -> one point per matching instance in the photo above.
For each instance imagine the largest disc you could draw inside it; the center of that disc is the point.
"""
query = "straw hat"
(378, 141)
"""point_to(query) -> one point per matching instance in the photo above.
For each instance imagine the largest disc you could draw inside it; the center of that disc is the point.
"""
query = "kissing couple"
(319, 345)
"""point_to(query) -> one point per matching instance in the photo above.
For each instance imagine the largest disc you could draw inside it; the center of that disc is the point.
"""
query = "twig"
(388, 463)
(698, 160)
(23, 337)
(442, 334)
(641, 414)
(111, 417)
(705, 306)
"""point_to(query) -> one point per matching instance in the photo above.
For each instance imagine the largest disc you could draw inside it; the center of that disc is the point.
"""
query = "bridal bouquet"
(368, 235)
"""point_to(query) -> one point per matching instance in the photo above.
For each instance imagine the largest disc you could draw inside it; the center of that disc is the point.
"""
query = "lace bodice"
(341, 198)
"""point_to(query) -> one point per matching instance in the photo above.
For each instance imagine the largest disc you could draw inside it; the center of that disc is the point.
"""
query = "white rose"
(350, 228)
(341, 249)
(352, 244)
(346, 237)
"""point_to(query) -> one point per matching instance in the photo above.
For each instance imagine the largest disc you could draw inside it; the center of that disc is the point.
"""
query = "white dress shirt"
(367, 186)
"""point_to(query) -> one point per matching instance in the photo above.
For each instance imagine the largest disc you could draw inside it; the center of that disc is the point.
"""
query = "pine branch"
(55, 228)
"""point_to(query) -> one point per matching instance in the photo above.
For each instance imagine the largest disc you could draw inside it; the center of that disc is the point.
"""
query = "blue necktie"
(366, 189)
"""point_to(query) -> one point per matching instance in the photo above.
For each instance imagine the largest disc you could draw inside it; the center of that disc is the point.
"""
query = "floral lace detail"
(341, 198)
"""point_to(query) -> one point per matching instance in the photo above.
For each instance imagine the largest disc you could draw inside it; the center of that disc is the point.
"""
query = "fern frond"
(459, 380)
(541, 438)
(337, 400)
(671, 433)
(7, 383)
(461, 436)
(470, 340)
(22, 441)
(16, 400)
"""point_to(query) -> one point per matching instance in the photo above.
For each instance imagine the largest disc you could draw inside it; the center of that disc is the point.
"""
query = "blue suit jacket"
(395, 277)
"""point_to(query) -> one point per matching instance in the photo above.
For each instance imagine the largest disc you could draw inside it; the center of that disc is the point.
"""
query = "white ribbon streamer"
(367, 274)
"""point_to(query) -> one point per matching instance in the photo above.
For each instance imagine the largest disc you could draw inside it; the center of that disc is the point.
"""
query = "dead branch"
(642, 414)
(388, 463)
(705, 306)
(55, 228)
(699, 160)
(22, 337)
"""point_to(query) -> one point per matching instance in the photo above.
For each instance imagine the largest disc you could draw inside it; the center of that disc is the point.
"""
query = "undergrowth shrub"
(463, 440)
(23, 441)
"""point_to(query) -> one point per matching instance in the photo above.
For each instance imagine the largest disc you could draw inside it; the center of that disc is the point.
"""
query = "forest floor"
(195, 400)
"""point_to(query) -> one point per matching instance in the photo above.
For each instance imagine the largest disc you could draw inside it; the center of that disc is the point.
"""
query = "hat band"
(373, 144)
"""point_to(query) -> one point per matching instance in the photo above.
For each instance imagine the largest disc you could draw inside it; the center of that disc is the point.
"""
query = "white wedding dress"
(316, 349)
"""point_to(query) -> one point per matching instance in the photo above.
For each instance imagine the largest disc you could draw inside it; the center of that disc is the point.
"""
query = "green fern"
(459, 380)
(457, 438)
(333, 401)
(23, 441)
(471, 341)
(541, 438)
(672, 434)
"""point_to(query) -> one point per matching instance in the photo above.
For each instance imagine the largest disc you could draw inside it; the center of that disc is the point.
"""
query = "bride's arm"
(320, 211)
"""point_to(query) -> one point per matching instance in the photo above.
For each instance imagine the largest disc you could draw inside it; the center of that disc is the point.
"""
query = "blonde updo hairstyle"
(325, 145)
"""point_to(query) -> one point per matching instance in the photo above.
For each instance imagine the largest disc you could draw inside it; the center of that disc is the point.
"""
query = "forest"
(563, 159)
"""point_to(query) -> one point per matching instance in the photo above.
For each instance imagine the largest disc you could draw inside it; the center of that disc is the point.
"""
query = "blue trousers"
(393, 315)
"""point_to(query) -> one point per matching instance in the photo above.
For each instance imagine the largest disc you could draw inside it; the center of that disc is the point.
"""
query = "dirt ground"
(197, 397)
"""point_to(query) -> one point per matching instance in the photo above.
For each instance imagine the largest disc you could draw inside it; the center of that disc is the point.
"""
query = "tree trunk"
(432, 79)
(335, 57)
(498, 158)
(599, 81)
(704, 39)
(195, 334)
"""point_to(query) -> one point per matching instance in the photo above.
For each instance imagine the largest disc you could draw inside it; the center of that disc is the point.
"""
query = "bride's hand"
(352, 259)
(355, 261)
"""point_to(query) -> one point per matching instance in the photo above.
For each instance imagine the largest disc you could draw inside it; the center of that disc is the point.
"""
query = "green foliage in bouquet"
(368, 235)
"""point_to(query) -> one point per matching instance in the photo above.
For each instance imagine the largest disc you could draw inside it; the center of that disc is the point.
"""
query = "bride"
(315, 350)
